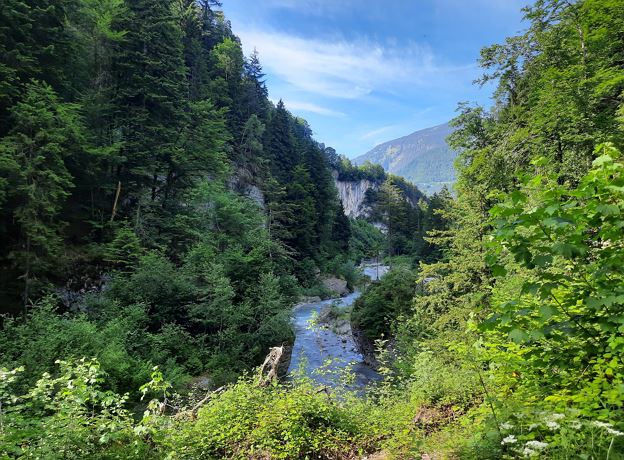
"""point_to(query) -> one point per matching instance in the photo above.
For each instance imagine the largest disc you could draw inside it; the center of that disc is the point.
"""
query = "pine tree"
(255, 93)
(341, 230)
(33, 157)
(190, 13)
(151, 89)
(324, 195)
(279, 144)
(299, 192)
(36, 42)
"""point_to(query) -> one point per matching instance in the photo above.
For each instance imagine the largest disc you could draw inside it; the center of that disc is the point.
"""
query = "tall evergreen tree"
(279, 144)
(150, 94)
(36, 42)
(36, 183)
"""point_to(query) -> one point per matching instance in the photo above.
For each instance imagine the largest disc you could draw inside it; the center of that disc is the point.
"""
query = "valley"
(189, 271)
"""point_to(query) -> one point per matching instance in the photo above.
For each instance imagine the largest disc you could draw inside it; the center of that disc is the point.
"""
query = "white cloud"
(313, 7)
(378, 132)
(311, 107)
(342, 69)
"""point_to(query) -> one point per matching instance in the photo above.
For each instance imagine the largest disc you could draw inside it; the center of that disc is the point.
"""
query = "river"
(321, 353)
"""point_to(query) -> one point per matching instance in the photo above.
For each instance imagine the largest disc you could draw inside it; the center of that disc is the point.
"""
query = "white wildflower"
(511, 439)
(553, 425)
(506, 426)
(528, 452)
(556, 417)
(600, 424)
(537, 445)
(613, 432)
(575, 425)
(532, 426)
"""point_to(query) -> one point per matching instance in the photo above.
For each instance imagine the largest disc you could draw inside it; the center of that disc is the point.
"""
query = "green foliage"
(248, 422)
(566, 257)
(78, 419)
(383, 303)
(74, 417)
(36, 182)
(366, 239)
(124, 250)
(527, 297)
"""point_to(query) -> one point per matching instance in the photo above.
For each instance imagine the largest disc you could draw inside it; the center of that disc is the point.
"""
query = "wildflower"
(555, 417)
(537, 445)
(575, 425)
(599, 424)
(613, 432)
(528, 452)
(506, 426)
(553, 425)
(532, 426)
(511, 439)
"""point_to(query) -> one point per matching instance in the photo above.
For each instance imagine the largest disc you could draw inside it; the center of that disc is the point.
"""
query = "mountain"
(422, 157)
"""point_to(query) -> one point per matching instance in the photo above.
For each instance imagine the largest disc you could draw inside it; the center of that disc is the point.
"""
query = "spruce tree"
(36, 42)
(151, 90)
(279, 144)
(37, 183)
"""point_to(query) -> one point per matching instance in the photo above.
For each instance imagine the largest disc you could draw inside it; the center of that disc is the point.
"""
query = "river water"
(322, 354)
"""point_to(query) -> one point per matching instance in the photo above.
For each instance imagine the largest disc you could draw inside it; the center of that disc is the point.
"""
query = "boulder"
(336, 286)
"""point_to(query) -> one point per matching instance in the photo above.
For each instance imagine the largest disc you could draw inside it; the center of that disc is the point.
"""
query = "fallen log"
(275, 365)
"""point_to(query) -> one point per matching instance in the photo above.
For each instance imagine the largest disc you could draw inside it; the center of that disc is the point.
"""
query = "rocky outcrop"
(353, 194)
(337, 286)
(243, 183)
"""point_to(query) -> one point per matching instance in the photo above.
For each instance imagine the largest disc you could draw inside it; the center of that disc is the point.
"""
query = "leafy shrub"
(383, 302)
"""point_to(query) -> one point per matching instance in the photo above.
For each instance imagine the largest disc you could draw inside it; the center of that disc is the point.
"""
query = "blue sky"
(366, 71)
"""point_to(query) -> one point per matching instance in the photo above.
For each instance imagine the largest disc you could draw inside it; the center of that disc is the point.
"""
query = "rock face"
(337, 286)
(422, 157)
(242, 182)
(352, 195)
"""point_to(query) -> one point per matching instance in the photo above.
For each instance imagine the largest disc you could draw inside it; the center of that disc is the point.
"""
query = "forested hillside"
(423, 157)
(160, 217)
(156, 207)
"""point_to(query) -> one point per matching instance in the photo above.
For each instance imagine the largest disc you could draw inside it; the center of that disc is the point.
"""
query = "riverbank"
(325, 349)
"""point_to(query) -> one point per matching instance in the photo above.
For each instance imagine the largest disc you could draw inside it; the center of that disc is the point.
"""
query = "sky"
(363, 72)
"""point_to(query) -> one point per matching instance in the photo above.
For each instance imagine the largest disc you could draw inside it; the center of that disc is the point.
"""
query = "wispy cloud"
(378, 132)
(313, 108)
(313, 7)
(343, 69)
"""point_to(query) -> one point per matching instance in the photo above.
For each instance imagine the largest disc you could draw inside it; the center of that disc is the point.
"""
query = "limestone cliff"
(353, 194)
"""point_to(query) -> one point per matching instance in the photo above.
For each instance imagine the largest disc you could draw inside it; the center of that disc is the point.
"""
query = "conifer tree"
(279, 144)
(37, 182)
(35, 42)
(151, 89)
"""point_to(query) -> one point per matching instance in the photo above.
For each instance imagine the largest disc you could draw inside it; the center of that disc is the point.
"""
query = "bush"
(383, 302)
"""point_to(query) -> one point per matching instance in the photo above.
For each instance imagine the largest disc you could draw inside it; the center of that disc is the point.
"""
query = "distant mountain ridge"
(422, 157)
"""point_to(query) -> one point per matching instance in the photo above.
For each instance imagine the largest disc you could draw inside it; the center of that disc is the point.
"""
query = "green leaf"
(498, 271)
(522, 254)
(518, 336)
(602, 160)
(567, 250)
(547, 312)
(608, 209)
(541, 260)
(530, 288)
(556, 222)
(615, 188)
